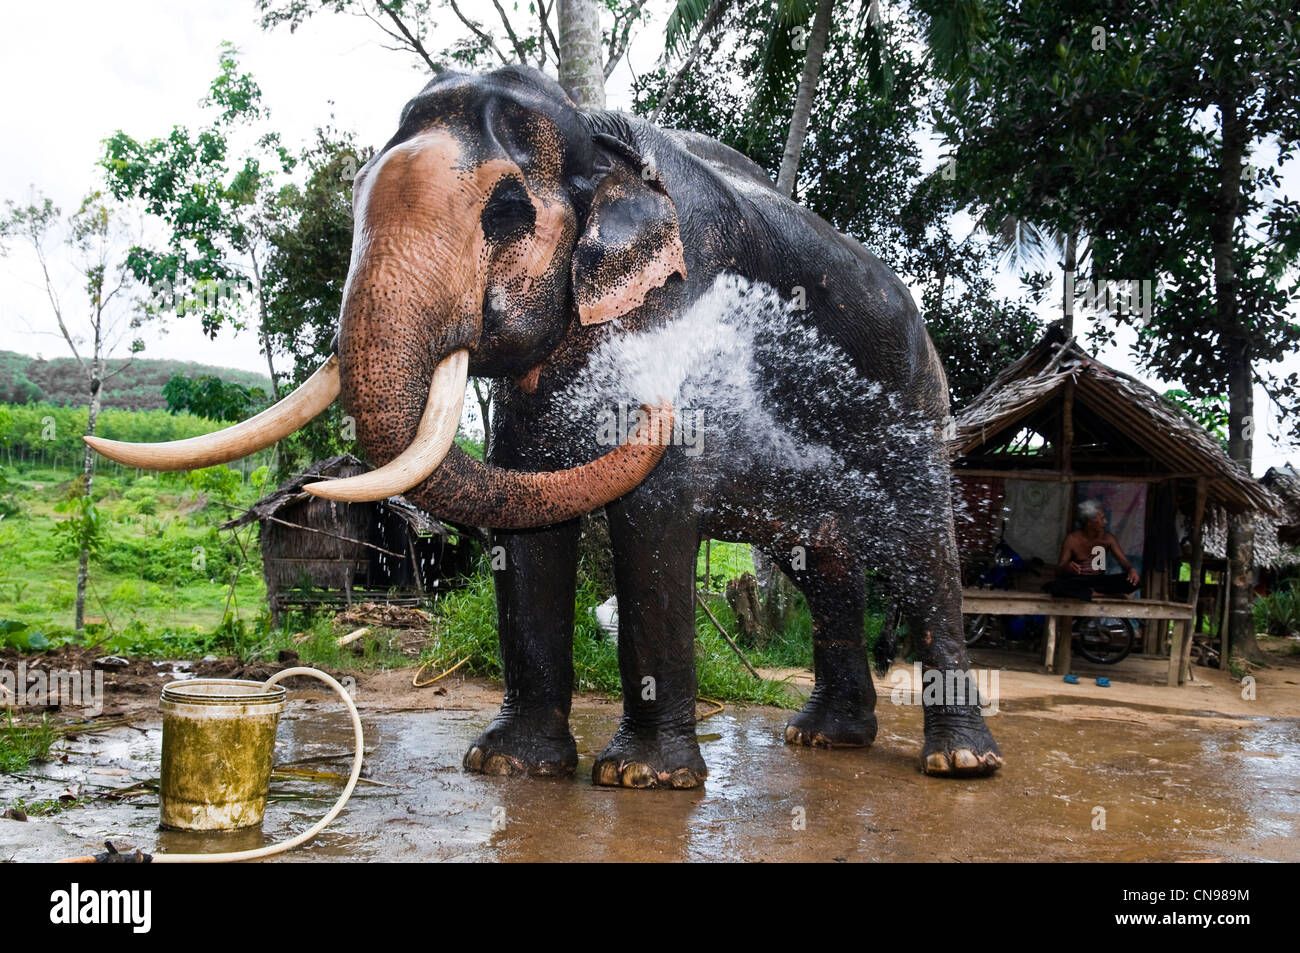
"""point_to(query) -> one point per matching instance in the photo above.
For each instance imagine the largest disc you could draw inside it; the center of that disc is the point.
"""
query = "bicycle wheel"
(1105, 641)
(980, 626)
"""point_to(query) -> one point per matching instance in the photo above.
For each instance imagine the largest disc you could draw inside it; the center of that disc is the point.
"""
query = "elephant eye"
(509, 211)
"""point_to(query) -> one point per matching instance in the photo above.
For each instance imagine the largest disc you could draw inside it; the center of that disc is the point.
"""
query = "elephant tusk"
(433, 438)
(256, 433)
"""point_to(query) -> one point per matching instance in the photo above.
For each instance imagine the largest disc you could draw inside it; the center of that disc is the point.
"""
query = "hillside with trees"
(139, 385)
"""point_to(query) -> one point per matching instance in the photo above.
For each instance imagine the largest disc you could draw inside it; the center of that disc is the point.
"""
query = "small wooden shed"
(1058, 427)
(321, 552)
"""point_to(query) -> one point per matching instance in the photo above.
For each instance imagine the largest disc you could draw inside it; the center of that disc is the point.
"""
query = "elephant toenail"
(606, 773)
(684, 778)
(793, 735)
(937, 763)
(639, 775)
(474, 759)
(964, 759)
(499, 765)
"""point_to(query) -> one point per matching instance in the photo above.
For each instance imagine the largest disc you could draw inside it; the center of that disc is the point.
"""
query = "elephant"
(669, 338)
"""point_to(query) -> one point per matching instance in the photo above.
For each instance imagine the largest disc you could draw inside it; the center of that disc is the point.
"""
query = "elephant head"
(485, 228)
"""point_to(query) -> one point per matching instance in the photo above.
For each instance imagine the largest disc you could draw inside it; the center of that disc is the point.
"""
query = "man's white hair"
(1088, 511)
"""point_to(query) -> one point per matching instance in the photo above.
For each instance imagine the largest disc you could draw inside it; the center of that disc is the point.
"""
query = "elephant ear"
(630, 244)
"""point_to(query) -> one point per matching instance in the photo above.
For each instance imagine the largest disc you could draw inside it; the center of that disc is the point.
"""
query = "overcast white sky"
(76, 71)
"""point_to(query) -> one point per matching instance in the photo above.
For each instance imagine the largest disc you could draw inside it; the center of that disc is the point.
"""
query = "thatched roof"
(1285, 484)
(344, 465)
(1176, 442)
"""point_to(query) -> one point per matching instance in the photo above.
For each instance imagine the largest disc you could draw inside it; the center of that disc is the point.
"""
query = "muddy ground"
(1133, 772)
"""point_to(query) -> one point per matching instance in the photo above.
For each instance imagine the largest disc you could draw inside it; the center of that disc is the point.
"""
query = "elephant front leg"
(958, 743)
(534, 573)
(654, 568)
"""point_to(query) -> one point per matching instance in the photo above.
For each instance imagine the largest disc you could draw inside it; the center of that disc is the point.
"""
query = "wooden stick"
(723, 632)
(352, 636)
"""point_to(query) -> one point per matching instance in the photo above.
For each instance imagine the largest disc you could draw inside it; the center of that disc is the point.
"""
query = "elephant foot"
(635, 760)
(817, 726)
(514, 745)
(957, 743)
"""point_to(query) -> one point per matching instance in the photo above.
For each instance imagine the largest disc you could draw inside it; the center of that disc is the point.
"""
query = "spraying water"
(764, 401)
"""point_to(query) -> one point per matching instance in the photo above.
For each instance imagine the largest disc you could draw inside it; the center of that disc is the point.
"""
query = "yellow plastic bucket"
(217, 746)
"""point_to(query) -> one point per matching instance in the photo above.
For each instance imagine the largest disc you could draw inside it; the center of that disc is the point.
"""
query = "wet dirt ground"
(1135, 772)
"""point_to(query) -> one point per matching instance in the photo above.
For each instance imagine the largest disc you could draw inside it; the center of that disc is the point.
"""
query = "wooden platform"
(1062, 612)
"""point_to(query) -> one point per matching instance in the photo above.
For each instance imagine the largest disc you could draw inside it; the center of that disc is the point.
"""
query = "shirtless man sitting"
(1082, 551)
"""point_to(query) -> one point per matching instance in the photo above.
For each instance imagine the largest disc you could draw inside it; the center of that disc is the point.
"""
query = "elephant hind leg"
(840, 713)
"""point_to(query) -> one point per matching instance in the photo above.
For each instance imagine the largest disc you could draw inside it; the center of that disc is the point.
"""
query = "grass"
(21, 743)
(377, 651)
(465, 627)
(47, 807)
(160, 586)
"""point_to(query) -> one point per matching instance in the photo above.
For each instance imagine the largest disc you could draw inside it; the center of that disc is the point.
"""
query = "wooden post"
(1187, 627)
(1198, 548)
(1175, 654)
(1224, 588)
(1049, 644)
(1067, 428)
(1058, 627)
(1061, 660)
(415, 562)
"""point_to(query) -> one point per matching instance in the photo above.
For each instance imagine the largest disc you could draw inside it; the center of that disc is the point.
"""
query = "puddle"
(1185, 789)
(175, 671)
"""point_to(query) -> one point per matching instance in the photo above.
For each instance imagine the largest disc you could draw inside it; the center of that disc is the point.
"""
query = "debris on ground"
(382, 615)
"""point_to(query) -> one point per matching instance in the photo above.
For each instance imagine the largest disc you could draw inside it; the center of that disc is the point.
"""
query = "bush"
(21, 744)
(1279, 612)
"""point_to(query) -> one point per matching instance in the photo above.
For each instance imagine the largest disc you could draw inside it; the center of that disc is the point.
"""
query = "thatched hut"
(320, 552)
(1284, 482)
(1058, 427)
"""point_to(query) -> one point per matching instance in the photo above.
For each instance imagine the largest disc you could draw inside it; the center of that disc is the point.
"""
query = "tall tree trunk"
(1067, 308)
(1241, 392)
(483, 393)
(266, 346)
(262, 321)
(582, 72)
(812, 68)
(88, 477)
(1241, 527)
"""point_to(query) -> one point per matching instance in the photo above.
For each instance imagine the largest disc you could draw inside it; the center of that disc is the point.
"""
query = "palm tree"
(812, 68)
(788, 37)
(582, 70)
(1025, 243)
